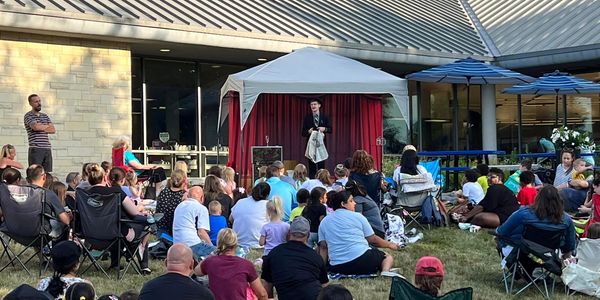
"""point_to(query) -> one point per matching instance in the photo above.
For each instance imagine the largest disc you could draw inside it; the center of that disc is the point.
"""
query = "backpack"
(434, 213)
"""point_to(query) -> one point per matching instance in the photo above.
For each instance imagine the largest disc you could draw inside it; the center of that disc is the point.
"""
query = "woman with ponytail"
(231, 277)
(65, 262)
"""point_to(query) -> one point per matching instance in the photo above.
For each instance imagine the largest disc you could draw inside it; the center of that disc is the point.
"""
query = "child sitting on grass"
(471, 191)
(592, 205)
(526, 195)
(302, 197)
(275, 232)
(216, 220)
(429, 274)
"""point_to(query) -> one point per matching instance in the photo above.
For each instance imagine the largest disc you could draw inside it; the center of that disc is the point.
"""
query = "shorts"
(202, 250)
(368, 263)
(41, 156)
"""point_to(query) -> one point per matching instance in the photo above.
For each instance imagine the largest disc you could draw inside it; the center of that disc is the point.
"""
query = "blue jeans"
(202, 250)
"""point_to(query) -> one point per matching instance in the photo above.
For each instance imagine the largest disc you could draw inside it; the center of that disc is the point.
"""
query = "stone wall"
(85, 87)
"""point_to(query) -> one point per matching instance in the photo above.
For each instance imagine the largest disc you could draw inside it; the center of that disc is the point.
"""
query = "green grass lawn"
(470, 259)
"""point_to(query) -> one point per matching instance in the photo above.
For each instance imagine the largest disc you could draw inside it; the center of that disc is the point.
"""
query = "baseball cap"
(429, 266)
(300, 225)
(65, 253)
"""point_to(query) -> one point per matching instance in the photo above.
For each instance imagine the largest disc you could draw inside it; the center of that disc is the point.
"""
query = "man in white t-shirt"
(191, 223)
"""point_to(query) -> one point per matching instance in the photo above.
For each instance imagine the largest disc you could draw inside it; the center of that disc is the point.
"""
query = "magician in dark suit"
(315, 121)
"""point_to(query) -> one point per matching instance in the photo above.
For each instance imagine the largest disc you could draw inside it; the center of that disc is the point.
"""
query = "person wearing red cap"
(429, 274)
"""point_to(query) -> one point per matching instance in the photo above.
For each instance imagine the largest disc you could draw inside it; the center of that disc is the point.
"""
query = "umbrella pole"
(468, 115)
(556, 111)
(564, 99)
(519, 122)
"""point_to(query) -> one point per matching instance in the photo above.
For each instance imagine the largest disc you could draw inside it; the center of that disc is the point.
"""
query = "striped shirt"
(562, 175)
(37, 139)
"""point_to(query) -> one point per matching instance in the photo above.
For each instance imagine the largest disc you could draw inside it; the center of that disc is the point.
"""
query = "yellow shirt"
(296, 212)
(482, 180)
(578, 176)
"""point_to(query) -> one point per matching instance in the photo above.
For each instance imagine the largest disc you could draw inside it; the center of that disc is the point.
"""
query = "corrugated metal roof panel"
(434, 25)
(523, 26)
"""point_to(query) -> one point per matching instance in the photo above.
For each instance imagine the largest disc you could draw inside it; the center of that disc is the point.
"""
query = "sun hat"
(429, 266)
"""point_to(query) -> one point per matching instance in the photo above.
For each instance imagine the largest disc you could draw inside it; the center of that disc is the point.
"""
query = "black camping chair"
(26, 222)
(538, 248)
(402, 289)
(100, 222)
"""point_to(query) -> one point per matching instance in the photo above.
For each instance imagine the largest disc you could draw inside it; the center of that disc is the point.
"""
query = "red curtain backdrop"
(356, 122)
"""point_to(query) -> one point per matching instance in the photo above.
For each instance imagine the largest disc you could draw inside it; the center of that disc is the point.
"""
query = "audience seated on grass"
(322, 179)
(283, 190)
(213, 190)
(483, 170)
(80, 291)
(527, 165)
(344, 238)
(497, 205)
(191, 224)
(471, 190)
(167, 202)
(176, 283)
(302, 197)
(314, 212)
(230, 276)
(250, 214)
(592, 205)
(335, 292)
(217, 221)
(275, 232)
(366, 206)
(527, 193)
(429, 275)
(363, 171)
(295, 270)
(65, 262)
(546, 213)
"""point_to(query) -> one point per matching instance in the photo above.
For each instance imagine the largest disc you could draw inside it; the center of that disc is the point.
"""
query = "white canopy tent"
(310, 70)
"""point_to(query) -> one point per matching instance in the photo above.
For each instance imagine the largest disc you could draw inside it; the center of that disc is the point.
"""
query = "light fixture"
(262, 59)
(165, 50)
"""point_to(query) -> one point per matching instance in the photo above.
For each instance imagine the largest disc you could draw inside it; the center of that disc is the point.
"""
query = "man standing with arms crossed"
(38, 126)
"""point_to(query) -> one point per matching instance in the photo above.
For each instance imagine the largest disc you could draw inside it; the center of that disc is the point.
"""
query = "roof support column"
(488, 117)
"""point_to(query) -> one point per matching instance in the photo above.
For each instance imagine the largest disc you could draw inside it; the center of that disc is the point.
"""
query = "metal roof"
(525, 26)
(437, 26)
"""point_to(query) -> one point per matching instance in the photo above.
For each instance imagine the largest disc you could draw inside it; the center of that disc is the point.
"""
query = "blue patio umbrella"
(555, 83)
(470, 71)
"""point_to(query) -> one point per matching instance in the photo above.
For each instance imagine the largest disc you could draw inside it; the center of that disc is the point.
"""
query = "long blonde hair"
(181, 165)
(6, 150)
(228, 174)
(275, 209)
(226, 240)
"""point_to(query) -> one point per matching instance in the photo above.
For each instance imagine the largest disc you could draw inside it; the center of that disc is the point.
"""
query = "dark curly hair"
(362, 162)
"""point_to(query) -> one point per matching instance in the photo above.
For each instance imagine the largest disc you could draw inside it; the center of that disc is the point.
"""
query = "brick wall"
(85, 88)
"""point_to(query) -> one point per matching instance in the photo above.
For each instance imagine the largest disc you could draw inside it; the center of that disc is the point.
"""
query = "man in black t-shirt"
(296, 271)
(497, 205)
(36, 176)
(176, 283)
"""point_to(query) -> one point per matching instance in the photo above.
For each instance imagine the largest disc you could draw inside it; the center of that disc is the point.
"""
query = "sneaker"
(146, 271)
(390, 274)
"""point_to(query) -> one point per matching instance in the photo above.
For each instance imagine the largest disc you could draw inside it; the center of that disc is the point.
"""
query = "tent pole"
(564, 104)
(419, 117)
(519, 122)
(468, 114)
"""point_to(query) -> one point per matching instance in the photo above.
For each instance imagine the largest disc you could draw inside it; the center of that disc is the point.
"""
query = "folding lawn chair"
(539, 248)
(26, 222)
(413, 192)
(95, 209)
(402, 289)
(434, 167)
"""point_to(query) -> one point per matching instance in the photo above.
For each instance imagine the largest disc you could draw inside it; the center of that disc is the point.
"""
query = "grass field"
(470, 259)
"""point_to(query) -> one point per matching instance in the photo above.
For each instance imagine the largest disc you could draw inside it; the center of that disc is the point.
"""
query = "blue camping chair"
(435, 168)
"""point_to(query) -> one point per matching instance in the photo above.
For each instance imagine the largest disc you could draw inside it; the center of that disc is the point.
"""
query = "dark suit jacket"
(309, 123)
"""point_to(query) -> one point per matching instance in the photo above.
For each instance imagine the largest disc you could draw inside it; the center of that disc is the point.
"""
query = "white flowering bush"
(563, 137)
